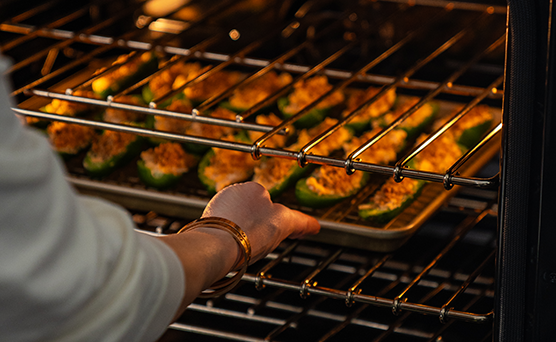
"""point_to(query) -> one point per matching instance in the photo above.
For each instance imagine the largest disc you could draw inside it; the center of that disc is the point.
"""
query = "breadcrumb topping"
(273, 171)
(121, 116)
(213, 85)
(173, 77)
(109, 144)
(308, 90)
(168, 158)
(330, 180)
(174, 125)
(474, 117)
(383, 151)
(213, 131)
(415, 119)
(228, 166)
(391, 194)
(375, 109)
(271, 119)
(258, 90)
(69, 138)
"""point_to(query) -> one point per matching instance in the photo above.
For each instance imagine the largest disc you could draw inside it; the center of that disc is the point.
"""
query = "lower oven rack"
(348, 291)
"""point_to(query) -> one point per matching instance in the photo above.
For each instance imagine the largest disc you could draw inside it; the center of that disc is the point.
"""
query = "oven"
(469, 259)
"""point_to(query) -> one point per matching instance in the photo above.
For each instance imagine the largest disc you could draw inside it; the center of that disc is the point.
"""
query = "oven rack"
(404, 80)
(408, 285)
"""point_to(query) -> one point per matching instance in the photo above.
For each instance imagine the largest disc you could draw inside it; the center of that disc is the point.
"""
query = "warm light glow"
(234, 34)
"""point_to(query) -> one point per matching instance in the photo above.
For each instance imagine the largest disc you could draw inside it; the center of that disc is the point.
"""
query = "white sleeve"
(71, 267)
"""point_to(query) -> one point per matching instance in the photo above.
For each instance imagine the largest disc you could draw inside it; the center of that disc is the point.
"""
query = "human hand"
(265, 223)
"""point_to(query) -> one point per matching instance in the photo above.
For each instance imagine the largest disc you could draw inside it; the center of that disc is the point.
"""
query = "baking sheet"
(340, 224)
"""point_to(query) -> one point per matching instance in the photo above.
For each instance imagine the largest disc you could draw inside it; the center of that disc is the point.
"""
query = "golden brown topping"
(271, 119)
(109, 144)
(258, 90)
(330, 180)
(326, 146)
(375, 109)
(414, 119)
(439, 155)
(168, 158)
(173, 77)
(69, 138)
(474, 117)
(391, 194)
(130, 66)
(383, 151)
(273, 171)
(213, 85)
(228, 166)
(213, 131)
(174, 125)
(309, 90)
(122, 116)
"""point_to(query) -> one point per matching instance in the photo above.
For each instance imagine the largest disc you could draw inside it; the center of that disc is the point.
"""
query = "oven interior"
(426, 275)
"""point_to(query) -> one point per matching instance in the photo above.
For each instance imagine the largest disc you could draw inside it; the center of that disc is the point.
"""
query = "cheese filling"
(211, 86)
(110, 144)
(391, 194)
(69, 138)
(414, 120)
(273, 171)
(213, 131)
(307, 91)
(168, 158)
(228, 166)
(173, 77)
(271, 119)
(174, 125)
(330, 180)
(120, 115)
(439, 155)
(474, 117)
(375, 109)
(258, 90)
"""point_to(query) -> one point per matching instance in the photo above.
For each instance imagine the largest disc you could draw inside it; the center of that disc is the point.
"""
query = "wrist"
(240, 266)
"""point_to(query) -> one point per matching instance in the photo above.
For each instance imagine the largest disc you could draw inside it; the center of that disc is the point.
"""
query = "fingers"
(300, 224)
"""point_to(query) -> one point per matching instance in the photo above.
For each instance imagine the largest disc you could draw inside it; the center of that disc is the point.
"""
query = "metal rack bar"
(461, 230)
(465, 285)
(306, 283)
(81, 36)
(407, 74)
(131, 107)
(392, 328)
(175, 59)
(35, 30)
(410, 36)
(256, 150)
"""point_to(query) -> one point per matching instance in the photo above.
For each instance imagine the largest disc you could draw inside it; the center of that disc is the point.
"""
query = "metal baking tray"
(340, 224)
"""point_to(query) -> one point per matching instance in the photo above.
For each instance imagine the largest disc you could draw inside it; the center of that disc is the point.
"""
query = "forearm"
(206, 254)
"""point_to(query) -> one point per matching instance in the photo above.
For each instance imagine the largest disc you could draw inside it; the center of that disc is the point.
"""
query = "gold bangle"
(226, 284)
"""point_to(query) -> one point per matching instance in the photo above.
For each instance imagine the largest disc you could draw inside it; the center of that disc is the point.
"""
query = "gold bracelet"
(226, 284)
